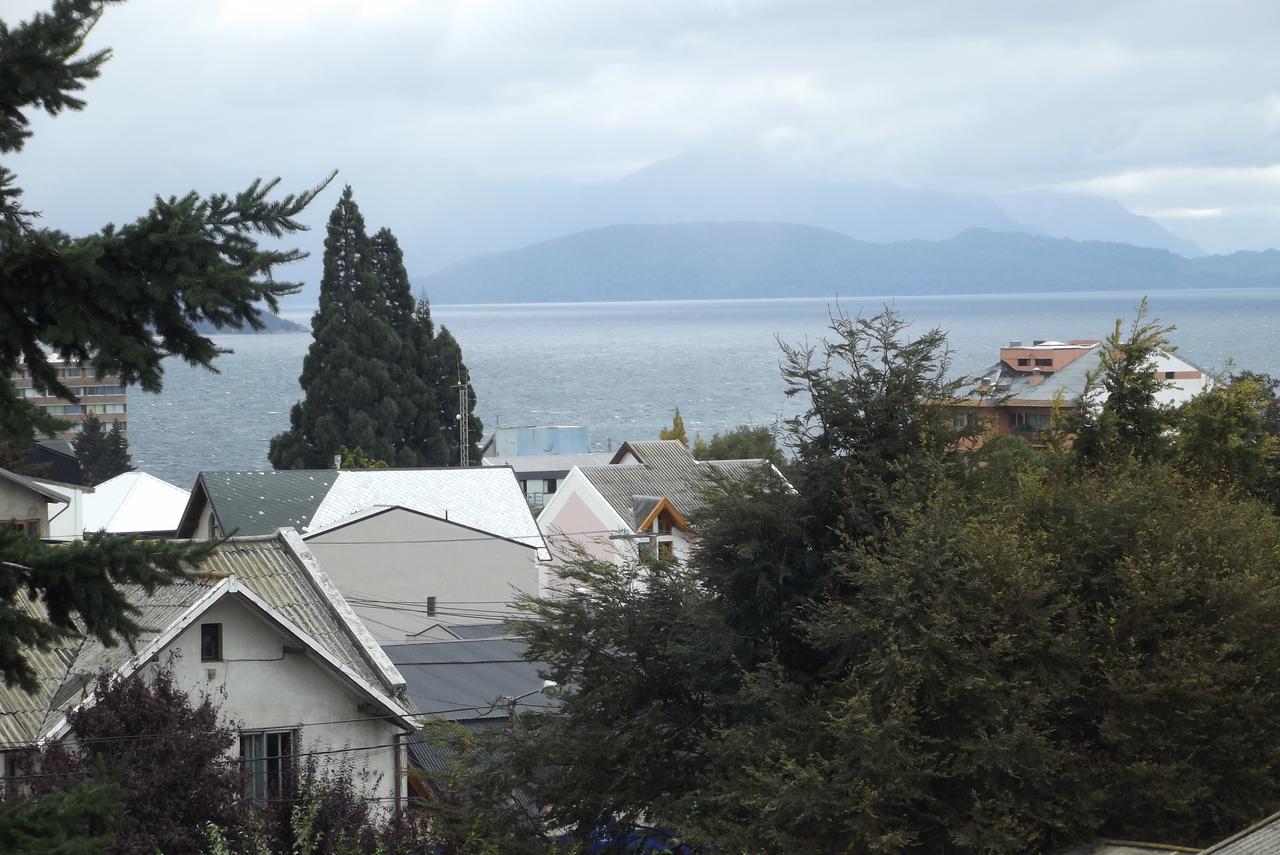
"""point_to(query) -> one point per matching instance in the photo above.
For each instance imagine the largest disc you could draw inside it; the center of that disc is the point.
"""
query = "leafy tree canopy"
(920, 648)
(746, 442)
(676, 431)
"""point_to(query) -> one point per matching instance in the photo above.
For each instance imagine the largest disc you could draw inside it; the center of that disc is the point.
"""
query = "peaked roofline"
(379, 510)
(231, 586)
(373, 654)
(198, 493)
(33, 486)
(663, 504)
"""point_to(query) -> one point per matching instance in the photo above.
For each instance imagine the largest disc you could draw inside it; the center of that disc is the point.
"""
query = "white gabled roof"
(134, 502)
(484, 498)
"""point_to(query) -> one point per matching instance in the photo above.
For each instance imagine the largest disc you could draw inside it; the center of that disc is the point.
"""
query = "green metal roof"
(251, 503)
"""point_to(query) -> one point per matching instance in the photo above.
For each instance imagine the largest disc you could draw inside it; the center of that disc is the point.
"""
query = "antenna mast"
(464, 422)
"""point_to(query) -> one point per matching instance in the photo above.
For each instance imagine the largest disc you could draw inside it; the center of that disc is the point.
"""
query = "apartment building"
(101, 395)
(1019, 394)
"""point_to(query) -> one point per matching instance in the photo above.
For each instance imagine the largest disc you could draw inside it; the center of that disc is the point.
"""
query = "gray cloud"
(1166, 106)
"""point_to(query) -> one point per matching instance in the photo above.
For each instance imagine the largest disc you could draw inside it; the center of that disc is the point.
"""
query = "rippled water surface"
(621, 368)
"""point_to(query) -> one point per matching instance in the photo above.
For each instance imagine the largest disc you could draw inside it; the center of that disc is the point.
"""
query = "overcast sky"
(1172, 108)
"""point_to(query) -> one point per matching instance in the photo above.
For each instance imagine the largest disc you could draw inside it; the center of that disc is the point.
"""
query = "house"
(403, 570)
(541, 457)
(407, 547)
(477, 683)
(25, 503)
(263, 630)
(540, 475)
(1019, 393)
(55, 460)
(135, 503)
(639, 502)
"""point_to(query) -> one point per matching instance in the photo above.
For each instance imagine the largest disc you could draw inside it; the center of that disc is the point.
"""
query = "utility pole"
(464, 422)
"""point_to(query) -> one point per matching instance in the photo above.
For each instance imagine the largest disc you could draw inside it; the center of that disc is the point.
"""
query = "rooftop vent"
(1016, 343)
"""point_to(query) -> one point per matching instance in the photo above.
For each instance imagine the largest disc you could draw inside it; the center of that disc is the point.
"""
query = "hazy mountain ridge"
(466, 216)
(758, 260)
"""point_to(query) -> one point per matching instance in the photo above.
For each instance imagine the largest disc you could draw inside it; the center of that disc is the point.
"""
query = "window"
(1029, 421)
(73, 372)
(666, 550)
(1170, 375)
(551, 486)
(1044, 363)
(210, 642)
(265, 758)
(960, 421)
(1024, 362)
(31, 528)
(31, 393)
(431, 606)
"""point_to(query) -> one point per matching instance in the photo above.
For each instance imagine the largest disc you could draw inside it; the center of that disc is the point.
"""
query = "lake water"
(621, 368)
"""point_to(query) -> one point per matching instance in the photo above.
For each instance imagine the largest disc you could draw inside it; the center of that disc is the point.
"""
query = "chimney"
(1036, 377)
(337, 461)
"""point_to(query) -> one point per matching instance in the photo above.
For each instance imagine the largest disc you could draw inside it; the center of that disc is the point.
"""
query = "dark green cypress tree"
(376, 377)
(118, 459)
(91, 448)
(352, 397)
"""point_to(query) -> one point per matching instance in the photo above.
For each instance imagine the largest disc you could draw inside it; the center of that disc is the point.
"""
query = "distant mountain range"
(752, 259)
(271, 323)
(454, 217)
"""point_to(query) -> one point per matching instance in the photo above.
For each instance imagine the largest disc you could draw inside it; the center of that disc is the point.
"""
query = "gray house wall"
(19, 503)
(401, 558)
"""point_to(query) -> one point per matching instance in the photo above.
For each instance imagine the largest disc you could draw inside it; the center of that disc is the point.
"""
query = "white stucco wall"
(259, 684)
(19, 503)
(406, 557)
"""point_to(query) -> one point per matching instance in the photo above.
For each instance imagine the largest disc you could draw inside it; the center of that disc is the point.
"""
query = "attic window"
(1045, 363)
(1024, 361)
(1170, 375)
(210, 642)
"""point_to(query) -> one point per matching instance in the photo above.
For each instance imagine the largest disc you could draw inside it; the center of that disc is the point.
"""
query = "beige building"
(101, 395)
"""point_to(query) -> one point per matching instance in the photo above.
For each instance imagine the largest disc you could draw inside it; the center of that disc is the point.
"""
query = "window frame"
(211, 630)
(264, 771)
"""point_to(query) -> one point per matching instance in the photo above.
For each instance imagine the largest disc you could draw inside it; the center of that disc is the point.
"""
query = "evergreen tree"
(676, 431)
(91, 449)
(118, 458)
(374, 377)
(102, 453)
(120, 300)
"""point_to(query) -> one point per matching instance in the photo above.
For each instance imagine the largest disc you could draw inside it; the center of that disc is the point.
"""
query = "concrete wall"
(260, 685)
(406, 557)
(19, 503)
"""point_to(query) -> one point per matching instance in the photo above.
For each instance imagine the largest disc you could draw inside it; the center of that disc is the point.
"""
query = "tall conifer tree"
(376, 377)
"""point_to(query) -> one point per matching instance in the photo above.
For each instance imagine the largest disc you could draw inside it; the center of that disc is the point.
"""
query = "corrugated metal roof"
(1067, 383)
(666, 470)
(485, 498)
(267, 566)
(252, 503)
(467, 679)
(134, 502)
(547, 465)
(1260, 839)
